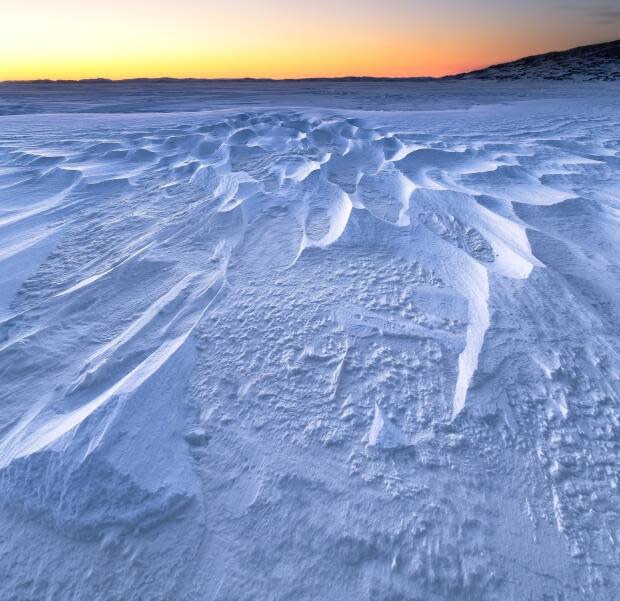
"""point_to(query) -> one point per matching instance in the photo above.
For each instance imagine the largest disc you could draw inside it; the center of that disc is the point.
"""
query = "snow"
(310, 340)
(384, 434)
(596, 62)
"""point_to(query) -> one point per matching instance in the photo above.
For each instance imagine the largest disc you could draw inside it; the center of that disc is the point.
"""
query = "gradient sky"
(287, 38)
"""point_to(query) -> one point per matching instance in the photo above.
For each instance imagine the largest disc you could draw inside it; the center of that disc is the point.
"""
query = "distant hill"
(597, 62)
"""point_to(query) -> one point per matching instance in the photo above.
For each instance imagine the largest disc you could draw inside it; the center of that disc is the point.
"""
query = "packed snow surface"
(357, 342)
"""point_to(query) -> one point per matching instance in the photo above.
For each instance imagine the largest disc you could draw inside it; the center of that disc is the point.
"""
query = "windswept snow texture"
(282, 351)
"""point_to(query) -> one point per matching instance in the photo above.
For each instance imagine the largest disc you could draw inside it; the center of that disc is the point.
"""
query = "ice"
(310, 340)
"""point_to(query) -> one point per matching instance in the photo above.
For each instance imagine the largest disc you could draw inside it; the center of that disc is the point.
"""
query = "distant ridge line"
(164, 80)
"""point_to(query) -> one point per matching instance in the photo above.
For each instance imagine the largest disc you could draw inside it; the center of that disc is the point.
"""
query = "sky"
(75, 39)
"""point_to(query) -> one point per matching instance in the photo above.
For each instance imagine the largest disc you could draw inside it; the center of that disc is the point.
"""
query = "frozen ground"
(274, 345)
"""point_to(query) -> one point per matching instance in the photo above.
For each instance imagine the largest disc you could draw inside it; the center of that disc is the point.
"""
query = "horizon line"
(170, 79)
(343, 78)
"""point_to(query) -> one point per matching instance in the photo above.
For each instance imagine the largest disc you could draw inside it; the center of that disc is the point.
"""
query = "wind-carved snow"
(392, 332)
(383, 433)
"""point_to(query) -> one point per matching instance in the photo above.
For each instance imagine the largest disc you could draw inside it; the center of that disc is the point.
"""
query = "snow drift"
(314, 353)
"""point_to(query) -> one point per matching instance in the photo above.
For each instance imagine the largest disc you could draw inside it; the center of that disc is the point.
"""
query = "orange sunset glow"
(188, 38)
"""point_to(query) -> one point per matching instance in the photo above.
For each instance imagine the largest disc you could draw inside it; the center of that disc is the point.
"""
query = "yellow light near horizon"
(223, 59)
(66, 39)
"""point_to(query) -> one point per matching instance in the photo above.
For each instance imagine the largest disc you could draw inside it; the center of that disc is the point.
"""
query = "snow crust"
(285, 346)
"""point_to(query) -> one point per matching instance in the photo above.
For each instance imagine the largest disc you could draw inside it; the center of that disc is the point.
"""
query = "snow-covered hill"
(598, 62)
